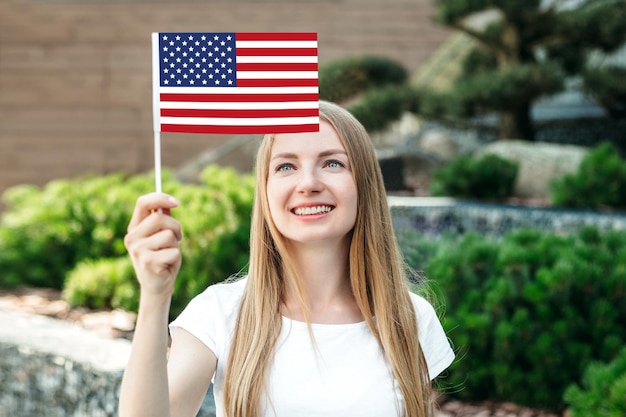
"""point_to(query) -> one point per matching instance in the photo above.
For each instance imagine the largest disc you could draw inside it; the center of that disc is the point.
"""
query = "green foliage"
(603, 390)
(530, 310)
(606, 85)
(489, 177)
(377, 108)
(600, 182)
(343, 79)
(523, 51)
(75, 228)
(45, 232)
(498, 90)
(102, 284)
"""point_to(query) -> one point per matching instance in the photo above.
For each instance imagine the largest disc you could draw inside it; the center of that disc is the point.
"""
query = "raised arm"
(148, 389)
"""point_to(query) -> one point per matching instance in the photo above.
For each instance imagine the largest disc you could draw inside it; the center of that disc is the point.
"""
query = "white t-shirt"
(347, 375)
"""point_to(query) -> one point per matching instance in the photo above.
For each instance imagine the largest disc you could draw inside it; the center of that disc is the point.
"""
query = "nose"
(309, 181)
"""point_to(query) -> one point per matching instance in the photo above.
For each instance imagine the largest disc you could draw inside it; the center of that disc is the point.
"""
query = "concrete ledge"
(53, 368)
(56, 369)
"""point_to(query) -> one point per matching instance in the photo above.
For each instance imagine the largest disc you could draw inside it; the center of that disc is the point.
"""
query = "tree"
(525, 50)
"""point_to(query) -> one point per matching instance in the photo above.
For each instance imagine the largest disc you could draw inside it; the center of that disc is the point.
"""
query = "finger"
(151, 250)
(148, 203)
(153, 224)
(159, 262)
(164, 239)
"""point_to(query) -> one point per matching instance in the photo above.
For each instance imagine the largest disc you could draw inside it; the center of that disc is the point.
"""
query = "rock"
(439, 144)
(539, 163)
(397, 132)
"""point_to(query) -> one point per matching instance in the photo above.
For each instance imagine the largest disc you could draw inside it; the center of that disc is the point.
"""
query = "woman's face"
(310, 188)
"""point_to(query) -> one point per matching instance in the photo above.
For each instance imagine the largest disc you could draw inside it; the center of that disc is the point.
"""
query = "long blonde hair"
(377, 277)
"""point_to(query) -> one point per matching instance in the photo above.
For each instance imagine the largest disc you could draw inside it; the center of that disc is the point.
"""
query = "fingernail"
(174, 201)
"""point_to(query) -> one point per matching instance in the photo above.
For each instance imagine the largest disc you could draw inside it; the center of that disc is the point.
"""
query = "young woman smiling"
(323, 324)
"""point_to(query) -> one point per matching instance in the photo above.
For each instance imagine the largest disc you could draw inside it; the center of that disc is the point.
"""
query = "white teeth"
(304, 211)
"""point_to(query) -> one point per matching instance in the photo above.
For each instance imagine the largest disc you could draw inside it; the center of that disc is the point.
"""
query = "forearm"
(144, 390)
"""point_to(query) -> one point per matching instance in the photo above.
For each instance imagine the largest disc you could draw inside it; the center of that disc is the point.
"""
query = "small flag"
(236, 83)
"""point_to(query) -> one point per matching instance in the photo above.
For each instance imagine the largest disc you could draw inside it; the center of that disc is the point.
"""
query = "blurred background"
(500, 128)
(75, 76)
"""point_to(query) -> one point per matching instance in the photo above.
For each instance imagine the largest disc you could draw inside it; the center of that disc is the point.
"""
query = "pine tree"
(526, 49)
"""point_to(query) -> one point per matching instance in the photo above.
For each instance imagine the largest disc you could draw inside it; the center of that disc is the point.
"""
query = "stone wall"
(437, 216)
(75, 76)
(53, 368)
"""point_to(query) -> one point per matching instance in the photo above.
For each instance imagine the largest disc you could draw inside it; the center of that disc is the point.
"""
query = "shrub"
(530, 310)
(381, 106)
(600, 182)
(45, 231)
(102, 284)
(489, 177)
(343, 79)
(215, 218)
(603, 390)
(79, 226)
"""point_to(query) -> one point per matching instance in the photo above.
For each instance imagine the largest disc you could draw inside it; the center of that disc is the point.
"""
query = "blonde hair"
(377, 277)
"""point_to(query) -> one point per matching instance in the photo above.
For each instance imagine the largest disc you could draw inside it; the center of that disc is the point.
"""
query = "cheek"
(275, 197)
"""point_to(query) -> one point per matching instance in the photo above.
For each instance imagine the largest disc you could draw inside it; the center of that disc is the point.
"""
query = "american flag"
(236, 83)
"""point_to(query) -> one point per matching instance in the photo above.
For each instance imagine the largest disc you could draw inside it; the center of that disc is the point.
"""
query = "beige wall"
(75, 76)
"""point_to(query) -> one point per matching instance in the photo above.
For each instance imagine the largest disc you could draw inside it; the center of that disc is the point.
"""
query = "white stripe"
(240, 106)
(262, 121)
(275, 44)
(276, 75)
(238, 90)
(276, 59)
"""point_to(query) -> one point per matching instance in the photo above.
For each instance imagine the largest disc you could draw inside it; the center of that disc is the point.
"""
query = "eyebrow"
(329, 152)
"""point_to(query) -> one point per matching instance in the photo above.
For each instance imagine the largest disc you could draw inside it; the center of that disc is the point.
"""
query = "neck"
(323, 270)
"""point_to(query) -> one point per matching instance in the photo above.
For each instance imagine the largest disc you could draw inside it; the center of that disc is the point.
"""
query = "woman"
(324, 323)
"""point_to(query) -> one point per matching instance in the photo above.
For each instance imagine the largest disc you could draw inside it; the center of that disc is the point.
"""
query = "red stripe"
(277, 66)
(240, 130)
(235, 98)
(239, 113)
(307, 82)
(276, 51)
(276, 36)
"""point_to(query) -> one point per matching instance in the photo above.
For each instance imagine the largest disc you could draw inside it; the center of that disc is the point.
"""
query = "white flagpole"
(156, 113)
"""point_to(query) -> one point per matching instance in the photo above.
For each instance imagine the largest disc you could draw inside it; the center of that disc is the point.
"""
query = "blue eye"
(333, 163)
(284, 167)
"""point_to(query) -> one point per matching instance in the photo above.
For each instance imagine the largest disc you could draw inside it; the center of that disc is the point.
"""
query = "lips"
(312, 210)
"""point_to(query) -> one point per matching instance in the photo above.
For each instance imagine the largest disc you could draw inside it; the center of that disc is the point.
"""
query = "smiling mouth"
(309, 211)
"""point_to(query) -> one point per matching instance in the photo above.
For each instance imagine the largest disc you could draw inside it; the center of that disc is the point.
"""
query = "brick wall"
(75, 76)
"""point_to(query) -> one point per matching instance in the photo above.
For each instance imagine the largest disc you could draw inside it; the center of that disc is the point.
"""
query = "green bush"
(489, 177)
(530, 310)
(103, 284)
(45, 231)
(75, 228)
(378, 107)
(600, 182)
(603, 390)
(343, 79)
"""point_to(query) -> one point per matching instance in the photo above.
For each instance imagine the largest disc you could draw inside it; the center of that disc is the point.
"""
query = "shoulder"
(211, 315)
(433, 339)
(227, 291)
(221, 299)
(423, 308)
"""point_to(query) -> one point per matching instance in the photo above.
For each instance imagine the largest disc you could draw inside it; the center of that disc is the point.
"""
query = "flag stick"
(156, 112)
(157, 161)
